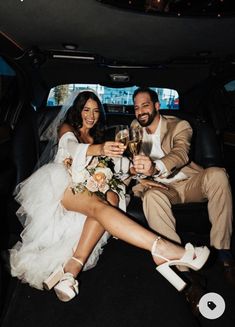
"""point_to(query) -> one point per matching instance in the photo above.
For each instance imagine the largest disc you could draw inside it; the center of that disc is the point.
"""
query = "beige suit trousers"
(210, 184)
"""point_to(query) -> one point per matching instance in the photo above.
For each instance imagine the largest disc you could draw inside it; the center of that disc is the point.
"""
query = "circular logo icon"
(211, 305)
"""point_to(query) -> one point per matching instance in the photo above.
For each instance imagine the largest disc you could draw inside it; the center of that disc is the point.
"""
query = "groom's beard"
(149, 120)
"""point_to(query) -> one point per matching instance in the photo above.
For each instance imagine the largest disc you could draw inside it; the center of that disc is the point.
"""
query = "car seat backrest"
(206, 146)
(25, 145)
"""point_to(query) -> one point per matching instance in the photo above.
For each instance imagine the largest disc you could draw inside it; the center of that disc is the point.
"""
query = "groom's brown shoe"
(194, 291)
(229, 271)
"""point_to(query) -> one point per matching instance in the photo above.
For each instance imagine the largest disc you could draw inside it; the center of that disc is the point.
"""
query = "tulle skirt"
(50, 231)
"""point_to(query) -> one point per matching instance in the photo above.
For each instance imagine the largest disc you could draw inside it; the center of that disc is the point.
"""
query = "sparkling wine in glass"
(134, 146)
(122, 135)
(135, 142)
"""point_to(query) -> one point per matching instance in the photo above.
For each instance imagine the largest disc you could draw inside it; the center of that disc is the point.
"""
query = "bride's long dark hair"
(74, 117)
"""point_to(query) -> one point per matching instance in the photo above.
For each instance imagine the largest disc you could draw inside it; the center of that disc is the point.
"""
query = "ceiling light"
(70, 46)
(120, 78)
(71, 56)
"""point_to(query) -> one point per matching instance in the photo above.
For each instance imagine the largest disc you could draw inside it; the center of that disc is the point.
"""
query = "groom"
(180, 181)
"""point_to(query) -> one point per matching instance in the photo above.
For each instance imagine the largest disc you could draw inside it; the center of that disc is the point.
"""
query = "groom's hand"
(144, 165)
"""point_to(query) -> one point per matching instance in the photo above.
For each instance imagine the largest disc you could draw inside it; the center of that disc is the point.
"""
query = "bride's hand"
(113, 149)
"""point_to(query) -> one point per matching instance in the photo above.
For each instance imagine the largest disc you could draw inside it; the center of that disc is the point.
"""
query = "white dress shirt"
(151, 146)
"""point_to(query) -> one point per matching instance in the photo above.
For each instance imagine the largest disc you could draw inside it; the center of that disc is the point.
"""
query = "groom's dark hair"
(153, 94)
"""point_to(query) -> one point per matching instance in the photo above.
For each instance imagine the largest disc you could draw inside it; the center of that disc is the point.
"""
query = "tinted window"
(169, 99)
(230, 108)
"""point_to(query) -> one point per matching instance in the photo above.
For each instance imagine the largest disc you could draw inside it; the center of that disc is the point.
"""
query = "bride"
(68, 208)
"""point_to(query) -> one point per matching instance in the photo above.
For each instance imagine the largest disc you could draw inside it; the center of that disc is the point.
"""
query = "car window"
(169, 98)
(230, 112)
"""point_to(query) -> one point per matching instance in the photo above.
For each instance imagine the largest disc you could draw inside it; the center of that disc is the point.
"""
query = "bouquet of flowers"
(97, 177)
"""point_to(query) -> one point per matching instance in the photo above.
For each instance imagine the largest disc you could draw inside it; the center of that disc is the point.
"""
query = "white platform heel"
(194, 258)
(67, 288)
(53, 279)
(56, 276)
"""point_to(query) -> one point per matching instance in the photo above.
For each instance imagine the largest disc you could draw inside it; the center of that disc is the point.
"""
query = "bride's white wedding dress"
(50, 231)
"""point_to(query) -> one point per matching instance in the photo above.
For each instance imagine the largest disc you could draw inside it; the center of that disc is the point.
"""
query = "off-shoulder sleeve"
(69, 147)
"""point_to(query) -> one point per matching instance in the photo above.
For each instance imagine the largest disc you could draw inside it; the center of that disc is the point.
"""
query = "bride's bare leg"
(91, 234)
(119, 225)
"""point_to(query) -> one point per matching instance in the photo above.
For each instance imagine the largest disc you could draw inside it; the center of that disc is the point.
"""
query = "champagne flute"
(122, 135)
(134, 145)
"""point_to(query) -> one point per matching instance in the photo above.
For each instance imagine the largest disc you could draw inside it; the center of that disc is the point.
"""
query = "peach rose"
(99, 177)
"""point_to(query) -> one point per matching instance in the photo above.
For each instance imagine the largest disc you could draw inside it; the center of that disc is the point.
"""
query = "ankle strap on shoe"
(154, 250)
(78, 260)
(154, 246)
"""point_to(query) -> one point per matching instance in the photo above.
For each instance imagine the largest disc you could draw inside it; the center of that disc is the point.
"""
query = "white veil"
(50, 135)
